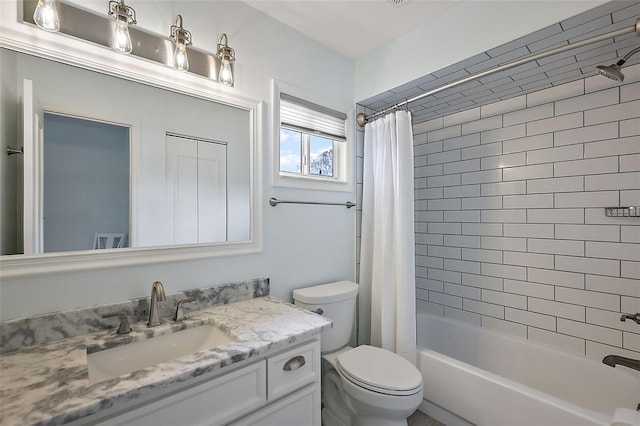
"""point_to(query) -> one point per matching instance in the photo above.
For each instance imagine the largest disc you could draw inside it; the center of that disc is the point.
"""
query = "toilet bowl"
(379, 388)
(365, 385)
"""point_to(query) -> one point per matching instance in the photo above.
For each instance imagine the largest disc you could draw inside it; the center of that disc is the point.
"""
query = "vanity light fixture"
(175, 50)
(227, 56)
(46, 15)
(124, 16)
(181, 38)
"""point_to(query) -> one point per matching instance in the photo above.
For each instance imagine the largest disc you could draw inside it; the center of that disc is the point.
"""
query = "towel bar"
(274, 202)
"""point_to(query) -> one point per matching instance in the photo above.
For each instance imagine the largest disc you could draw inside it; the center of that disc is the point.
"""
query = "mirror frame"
(18, 36)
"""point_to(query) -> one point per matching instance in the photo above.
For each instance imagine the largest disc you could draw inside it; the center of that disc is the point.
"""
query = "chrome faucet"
(157, 295)
(613, 360)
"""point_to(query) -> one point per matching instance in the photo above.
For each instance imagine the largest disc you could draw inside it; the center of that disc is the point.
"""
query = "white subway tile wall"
(510, 227)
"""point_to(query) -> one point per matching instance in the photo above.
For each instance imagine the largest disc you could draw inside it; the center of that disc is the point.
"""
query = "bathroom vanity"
(263, 392)
(266, 372)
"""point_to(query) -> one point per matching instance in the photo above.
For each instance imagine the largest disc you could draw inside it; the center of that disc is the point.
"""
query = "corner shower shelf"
(633, 211)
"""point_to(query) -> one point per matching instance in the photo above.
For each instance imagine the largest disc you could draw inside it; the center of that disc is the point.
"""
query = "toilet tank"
(338, 303)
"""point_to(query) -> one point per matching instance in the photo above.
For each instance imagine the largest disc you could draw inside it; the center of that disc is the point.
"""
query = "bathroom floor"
(420, 419)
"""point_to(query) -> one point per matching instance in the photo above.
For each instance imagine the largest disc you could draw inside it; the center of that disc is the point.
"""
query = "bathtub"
(480, 377)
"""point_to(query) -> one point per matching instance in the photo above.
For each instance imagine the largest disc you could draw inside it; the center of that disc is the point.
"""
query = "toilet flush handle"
(318, 311)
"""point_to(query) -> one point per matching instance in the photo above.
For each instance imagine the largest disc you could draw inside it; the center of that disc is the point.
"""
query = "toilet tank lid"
(326, 293)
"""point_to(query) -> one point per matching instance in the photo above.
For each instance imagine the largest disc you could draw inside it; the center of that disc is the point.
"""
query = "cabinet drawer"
(214, 402)
(293, 369)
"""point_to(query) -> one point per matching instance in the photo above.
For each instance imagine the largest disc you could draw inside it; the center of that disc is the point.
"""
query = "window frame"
(344, 151)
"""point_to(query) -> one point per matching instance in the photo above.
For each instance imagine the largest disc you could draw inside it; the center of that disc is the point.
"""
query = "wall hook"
(11, 150)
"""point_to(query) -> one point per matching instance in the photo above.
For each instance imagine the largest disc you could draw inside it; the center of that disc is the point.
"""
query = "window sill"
(311, 183)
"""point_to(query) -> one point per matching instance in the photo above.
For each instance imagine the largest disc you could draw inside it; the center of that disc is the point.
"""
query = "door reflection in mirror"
(86, 182)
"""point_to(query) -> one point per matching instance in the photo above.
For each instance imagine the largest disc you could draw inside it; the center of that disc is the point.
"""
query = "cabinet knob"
(294, 363)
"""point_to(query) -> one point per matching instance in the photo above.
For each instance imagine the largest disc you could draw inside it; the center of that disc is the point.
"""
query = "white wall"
(463, 31)
(511, 232)
(303, 245)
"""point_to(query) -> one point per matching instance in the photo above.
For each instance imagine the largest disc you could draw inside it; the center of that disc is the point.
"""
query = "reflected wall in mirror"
(186, 176)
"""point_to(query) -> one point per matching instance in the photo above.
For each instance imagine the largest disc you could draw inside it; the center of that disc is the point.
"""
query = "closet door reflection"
(85, 182)
(197, 189)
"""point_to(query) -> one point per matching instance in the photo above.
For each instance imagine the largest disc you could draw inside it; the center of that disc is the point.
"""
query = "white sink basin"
(134, 356)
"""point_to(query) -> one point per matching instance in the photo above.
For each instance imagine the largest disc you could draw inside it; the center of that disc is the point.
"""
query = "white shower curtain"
(387, 255)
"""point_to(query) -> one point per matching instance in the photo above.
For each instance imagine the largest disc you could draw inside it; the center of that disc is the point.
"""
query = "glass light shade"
(226, 74)
(180, 57)
(121, 41)
(46, 15)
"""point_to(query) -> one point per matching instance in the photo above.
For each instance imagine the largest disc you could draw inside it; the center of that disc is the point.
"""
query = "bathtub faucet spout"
(635, 317)
(613, 360)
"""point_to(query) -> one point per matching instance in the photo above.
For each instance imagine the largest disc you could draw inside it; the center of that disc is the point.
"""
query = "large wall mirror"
(116, 171)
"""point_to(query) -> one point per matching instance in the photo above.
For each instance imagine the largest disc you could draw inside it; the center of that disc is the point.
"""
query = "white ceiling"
(352, 27)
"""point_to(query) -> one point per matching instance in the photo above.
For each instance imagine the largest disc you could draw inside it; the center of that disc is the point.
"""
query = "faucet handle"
(179, 315)
(124, 327)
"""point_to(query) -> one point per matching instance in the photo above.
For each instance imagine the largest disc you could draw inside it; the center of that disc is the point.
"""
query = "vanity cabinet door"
(301, 408)
(214, 402)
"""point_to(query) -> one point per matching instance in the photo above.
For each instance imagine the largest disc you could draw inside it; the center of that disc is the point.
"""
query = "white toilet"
(363, 385)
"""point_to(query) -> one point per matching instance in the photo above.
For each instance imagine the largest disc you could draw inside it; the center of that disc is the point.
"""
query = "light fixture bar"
(97, 29)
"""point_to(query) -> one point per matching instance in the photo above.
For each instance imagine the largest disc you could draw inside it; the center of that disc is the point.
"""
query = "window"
(312, 141)
(304, 154)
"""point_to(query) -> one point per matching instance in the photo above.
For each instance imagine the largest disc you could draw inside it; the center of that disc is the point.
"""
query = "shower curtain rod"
(362, 118)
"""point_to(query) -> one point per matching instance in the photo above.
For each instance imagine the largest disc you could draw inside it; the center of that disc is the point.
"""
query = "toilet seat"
(380, 371)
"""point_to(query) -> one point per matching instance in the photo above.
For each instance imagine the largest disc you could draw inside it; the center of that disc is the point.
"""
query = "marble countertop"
(48, 384)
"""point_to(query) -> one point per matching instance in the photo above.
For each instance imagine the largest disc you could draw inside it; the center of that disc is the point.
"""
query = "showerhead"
(613, 71)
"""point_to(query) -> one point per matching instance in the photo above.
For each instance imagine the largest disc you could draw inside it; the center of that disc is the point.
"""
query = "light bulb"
(180, 57)
(227, 56)
(121, 41)
(226, 75)
(46, 15)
